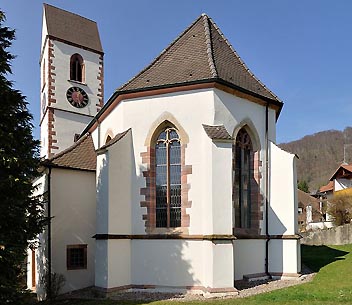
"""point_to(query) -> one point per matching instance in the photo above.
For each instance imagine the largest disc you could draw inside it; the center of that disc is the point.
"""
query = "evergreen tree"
(303, 186)
(21, 214)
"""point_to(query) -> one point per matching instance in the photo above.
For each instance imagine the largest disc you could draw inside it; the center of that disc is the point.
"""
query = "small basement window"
(76, 257)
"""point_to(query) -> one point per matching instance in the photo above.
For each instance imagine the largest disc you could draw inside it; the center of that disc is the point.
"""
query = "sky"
(301, 50)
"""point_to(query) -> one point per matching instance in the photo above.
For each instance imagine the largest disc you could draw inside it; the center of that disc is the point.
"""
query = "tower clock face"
(77, 97)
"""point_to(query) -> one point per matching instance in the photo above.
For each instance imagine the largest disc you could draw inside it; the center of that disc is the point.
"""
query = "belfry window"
(168, 179)
(77, 68)
(243, 176)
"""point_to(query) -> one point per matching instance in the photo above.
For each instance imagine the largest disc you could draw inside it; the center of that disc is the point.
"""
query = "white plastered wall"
(182, 263)
(73, 207)
(40, 256)
(68, 124)
(114, 185)
(140, 115)
(284, 254)
(70, 120)
(91, 85)
(210, 181)
(249, 257)
(342, 183)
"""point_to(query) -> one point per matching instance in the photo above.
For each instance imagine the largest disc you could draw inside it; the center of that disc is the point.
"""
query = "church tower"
(72, 79)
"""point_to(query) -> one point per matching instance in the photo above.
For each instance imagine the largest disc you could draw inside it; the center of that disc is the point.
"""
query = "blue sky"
(300, 49)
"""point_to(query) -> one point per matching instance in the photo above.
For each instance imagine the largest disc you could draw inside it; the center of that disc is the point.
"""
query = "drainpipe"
(49, 234)
(267, 190)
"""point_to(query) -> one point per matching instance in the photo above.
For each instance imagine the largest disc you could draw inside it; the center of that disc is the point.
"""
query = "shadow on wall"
(276, 253)
(316, 257)
(165, 263)
(159, 262)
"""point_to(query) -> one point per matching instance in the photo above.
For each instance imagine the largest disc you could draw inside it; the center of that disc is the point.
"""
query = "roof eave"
(49, 164)
(117, 93)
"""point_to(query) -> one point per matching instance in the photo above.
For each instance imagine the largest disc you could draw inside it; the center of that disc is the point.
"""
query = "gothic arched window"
(168, 179)
(243, 176)
(77, 68)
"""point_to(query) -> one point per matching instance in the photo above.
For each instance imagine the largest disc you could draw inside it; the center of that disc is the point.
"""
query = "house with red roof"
(174, 183)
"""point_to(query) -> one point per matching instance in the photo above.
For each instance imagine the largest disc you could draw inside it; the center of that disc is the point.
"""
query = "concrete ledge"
(207, 292)
(284, 276)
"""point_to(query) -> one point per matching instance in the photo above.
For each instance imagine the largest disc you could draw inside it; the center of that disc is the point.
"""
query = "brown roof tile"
(305, 198)
(218, 132)
(343, 170)
(81, 155)
(201, 52)
(327, 188)
(73, 28)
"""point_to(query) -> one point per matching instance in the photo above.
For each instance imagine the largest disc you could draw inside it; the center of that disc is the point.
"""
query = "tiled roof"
(72, 28)
(343, 167)
(305, 198)
(115, 139)
(217, 132)
(81, 155)
(327, 188)
(200, 53)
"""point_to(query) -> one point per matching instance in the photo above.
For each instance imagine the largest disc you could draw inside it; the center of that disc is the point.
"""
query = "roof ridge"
(240, 59)
(209, 46)
(46, 4)
(161, 54)
(71, 148)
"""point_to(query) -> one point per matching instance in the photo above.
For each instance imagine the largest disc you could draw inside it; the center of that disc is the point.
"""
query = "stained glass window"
(243, 171)
(168, 179)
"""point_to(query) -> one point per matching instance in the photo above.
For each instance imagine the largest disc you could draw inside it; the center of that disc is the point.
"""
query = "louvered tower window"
(243, 172)
(77, 68)
(168, 179)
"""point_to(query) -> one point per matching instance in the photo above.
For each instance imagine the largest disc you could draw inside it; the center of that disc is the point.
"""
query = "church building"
(174, 183)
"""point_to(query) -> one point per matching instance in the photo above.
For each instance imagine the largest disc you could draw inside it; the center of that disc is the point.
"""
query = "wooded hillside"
(320, 154)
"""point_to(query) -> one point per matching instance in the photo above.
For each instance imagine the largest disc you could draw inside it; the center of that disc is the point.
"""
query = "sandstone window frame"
(254, 212)
(149, 191)
(168, 178)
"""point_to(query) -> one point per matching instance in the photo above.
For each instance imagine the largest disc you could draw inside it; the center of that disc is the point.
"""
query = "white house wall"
(341, 184)
(73, 211)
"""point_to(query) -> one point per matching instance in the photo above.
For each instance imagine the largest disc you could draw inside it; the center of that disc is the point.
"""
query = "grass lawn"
(332, 285)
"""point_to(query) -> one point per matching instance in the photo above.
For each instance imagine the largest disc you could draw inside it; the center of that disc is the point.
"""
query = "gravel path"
(245, 289)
